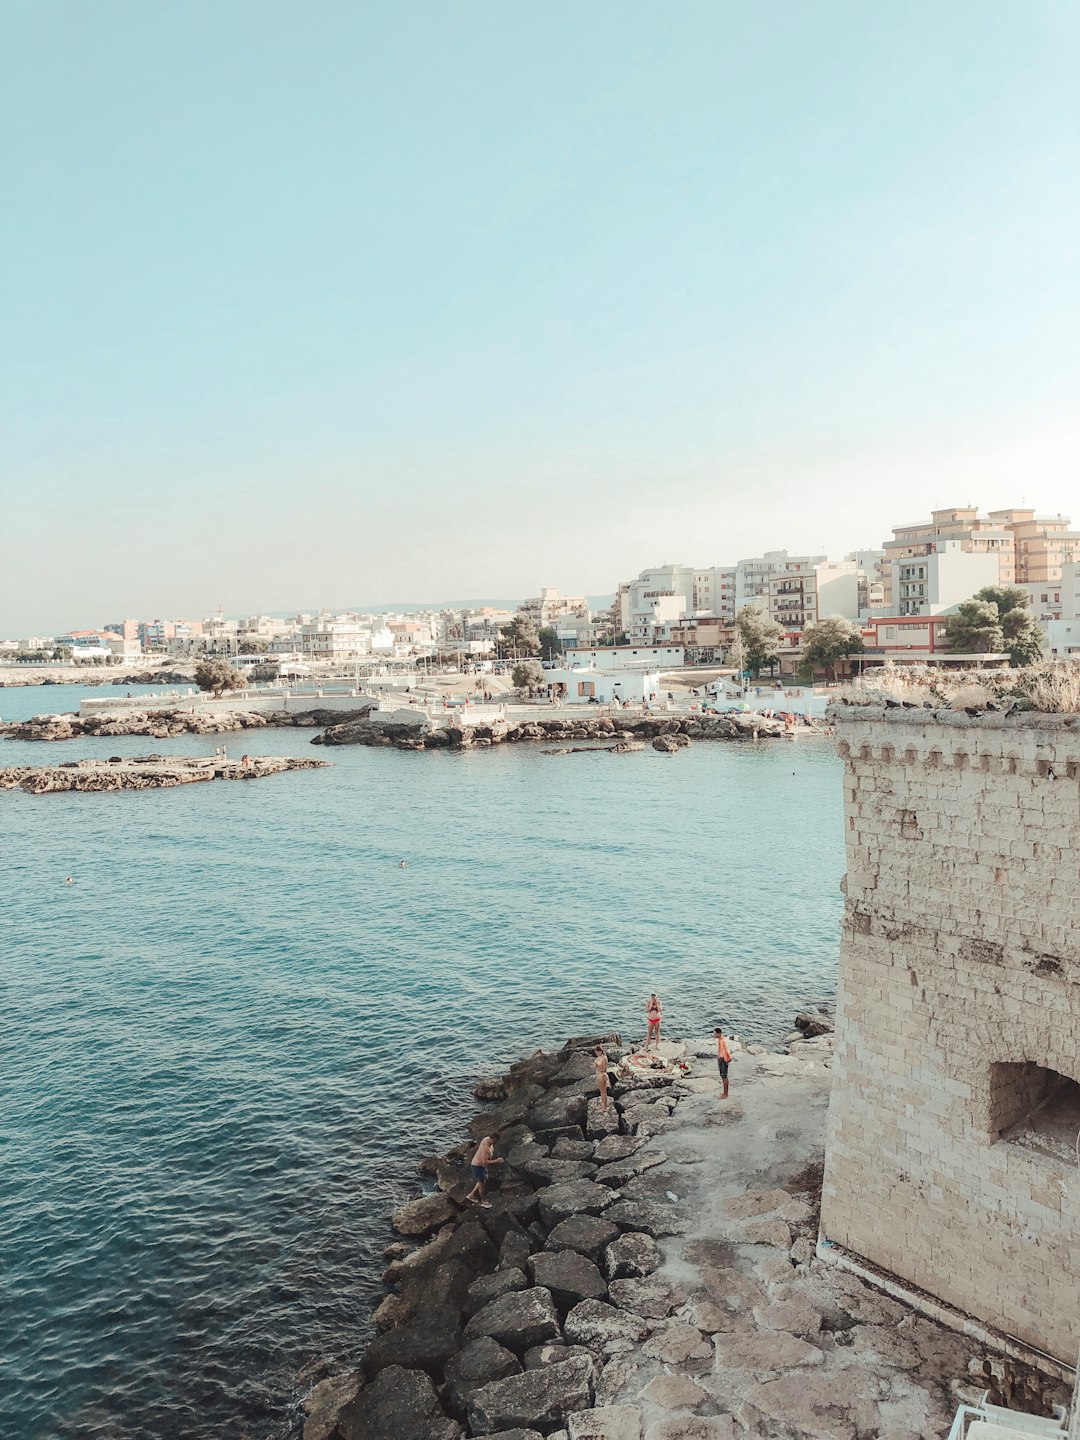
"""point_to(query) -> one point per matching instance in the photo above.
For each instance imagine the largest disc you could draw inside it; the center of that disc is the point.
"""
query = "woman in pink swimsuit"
(653, 1014)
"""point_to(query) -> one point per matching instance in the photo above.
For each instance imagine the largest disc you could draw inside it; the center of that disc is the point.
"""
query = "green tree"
(218, 676)
(528, 675)
(520, 636)
(828, 642)
(996, 619)
(551, 646)
(254, 646)
(760, 639)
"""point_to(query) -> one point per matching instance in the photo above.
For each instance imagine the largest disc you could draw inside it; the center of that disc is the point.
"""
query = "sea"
(225, 1045)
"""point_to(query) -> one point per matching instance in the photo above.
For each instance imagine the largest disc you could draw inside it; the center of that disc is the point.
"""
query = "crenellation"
(960, 969)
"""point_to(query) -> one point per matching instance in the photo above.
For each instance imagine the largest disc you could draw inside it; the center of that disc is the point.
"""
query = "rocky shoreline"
(149, 772)
(647, 1274)
(628, 731)
(162, 723)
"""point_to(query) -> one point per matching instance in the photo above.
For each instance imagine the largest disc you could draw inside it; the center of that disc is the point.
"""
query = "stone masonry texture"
(959, 991)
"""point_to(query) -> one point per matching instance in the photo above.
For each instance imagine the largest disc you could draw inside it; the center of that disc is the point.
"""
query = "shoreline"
(649, 1274)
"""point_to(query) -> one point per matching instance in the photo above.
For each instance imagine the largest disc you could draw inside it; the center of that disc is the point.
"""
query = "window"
(1034, 1107)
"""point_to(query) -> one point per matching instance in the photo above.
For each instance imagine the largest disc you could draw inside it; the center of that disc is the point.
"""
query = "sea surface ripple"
(224, 1047)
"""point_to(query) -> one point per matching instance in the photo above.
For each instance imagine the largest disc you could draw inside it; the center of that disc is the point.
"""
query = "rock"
(587, 1234)
(490, 1090)
(424, 1257)
(641, 1215)
(518, 1435)
(557, 1112)
(768, 1232)
(572, 1150)
(581, 1197)
(518, 1320)
(604, 1328)
(763, 1352)
(676, 1343)
(599, 1123)
(668, 744)
(692, 1427)
(489, 1287)
(675, 1392)
(632, 1256)
(802, 1250)
(323, 1404)
(755, 1202)
(478, 1363)
(621, 1172)
(558, 1172)
(653, 1297)
(578, 1067)
(616, 1147)
(420, 1217)
(797, 1317)
(397, 1403)
(541, 1399)
(514, 1251)
(811, 1025)
(606, 1422)
(392, 1310)
(555, 1352)
(426, 1342)
(569, 1276)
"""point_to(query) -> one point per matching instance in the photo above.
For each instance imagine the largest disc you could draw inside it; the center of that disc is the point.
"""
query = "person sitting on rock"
(481, 1162)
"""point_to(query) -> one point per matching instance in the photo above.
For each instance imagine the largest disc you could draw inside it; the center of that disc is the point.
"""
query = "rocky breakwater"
(502, 1321)
(617, 733)
(150, 772)
(163, 723)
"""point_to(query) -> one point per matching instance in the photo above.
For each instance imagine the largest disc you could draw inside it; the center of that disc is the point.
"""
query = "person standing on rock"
(653, 1015)
(602, 1077)
(481, 1161)
(723, 1059)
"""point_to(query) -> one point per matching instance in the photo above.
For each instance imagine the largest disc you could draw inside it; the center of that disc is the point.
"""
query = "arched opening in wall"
(1036, 1108)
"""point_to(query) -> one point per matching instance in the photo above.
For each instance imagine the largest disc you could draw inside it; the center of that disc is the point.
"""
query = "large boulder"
(599, 1124)
(397, 1403)
(653, 1297)
(481, 1361)
(558, 1111)
(541, 1399)
(543, 1171)
(519, 1320)
(580, 1197)
(426, 1342)
(569, 1277)
(654, 1220)
(606, 1422)
(603, 1328)
(587, 1234)
(489, 1287)
(621, 1172)
(325, 1402)
(631, 1257)
(616, 1147)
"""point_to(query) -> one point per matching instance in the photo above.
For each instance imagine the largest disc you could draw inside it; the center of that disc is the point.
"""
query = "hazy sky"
(338, 302)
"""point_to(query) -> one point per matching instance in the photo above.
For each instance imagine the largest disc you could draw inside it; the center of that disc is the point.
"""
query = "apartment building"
(550, 605)
(963, 525)
(808, 590)
(942, 577)
(1043, 544)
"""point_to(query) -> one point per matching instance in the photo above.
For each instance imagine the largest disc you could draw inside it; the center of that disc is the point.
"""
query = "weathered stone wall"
(959, 989)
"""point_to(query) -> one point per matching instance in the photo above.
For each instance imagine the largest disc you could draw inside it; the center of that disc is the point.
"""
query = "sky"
(329, 304)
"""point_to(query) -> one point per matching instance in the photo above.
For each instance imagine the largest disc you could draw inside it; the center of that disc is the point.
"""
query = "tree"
(760, 638)
(520, 636)
(997, 618)
(550, 645)
(218, 676)
(829, 641)
(528, 675)
(254, 647)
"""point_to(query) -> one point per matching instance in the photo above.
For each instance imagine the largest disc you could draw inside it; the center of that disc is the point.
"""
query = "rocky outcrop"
(165, 722)
(618, 734)
(151, 772)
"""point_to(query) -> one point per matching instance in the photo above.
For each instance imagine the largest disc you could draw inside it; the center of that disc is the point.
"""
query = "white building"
(1062, 639)
(666, 593)
(942, 579)
(587, 685)
(627, 657)
(752, 576)
(807, 591)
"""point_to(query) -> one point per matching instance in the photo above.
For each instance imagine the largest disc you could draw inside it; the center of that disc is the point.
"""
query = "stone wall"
(950, 1159)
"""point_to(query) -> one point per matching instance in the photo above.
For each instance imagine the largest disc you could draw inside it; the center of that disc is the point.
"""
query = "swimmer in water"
(69, 881)
(401, 865)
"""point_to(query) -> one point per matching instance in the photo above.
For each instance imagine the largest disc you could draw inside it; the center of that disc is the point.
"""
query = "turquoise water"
(225, 1045)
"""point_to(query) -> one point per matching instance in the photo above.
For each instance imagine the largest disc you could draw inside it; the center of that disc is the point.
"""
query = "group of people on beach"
(485, 1156)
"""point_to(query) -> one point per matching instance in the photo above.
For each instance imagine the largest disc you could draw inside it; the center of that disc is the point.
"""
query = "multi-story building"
(942, 577)
(340, 637)
(752, 576)
(1042, 544)
(963, 525)
(549, 606)
(808, 590)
